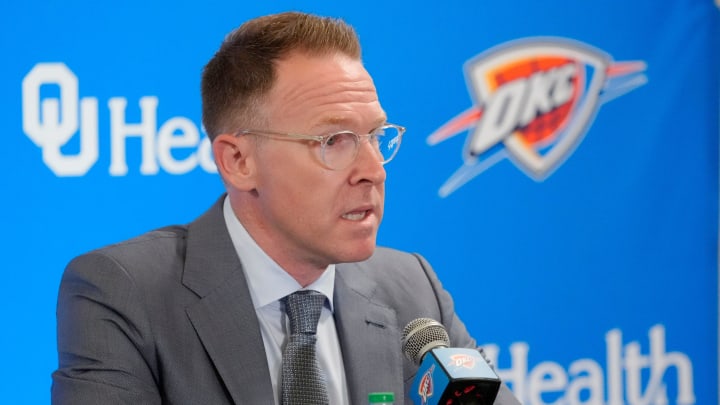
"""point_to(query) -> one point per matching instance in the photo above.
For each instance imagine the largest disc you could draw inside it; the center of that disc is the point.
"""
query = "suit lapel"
(368, 334)
(224, 317)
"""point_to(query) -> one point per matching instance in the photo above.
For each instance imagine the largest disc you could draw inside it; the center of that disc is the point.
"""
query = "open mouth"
(356, 215)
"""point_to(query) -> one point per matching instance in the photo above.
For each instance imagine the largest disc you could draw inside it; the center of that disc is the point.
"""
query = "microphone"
(447, 376)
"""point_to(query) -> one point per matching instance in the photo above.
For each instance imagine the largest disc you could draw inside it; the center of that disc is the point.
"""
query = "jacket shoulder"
(142, 259)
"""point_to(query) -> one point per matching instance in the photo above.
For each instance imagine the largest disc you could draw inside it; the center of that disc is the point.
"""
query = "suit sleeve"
(459, 336)
(104, 338)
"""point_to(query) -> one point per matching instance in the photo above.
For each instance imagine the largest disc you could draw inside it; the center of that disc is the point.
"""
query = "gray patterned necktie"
(302, 380)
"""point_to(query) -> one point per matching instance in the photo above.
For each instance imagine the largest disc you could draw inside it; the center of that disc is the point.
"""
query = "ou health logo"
(535, 99)
(51, 122)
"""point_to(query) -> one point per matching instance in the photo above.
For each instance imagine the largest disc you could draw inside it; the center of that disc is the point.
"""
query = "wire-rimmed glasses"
(339, 149)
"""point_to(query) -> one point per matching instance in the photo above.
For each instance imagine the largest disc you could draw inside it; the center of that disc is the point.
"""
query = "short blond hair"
(242, 71)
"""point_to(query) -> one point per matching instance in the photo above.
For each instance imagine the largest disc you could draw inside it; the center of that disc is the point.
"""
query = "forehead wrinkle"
(311, 92)
(346, 115)
(340, 91)
(341, 96)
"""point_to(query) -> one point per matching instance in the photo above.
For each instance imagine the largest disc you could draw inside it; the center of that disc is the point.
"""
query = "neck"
(303, 268)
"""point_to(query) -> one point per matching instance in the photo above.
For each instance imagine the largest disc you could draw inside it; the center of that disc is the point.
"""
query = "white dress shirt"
(269, 283)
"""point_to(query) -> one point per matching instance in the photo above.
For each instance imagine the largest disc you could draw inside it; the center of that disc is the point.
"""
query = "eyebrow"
(336, 120)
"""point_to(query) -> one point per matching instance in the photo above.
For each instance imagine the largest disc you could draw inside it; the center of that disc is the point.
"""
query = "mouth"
(357, 215)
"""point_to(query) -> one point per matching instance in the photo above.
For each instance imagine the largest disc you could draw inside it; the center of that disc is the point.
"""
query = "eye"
(339, 140)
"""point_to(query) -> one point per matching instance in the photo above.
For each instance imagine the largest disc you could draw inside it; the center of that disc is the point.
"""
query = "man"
(196, 314)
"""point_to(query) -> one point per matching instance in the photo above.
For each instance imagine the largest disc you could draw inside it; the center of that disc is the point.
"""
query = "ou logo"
(51, 122)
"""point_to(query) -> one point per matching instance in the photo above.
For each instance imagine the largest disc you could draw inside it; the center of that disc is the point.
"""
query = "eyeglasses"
(338, 150)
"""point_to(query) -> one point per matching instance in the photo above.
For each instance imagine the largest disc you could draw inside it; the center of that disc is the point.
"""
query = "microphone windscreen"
(422, 335)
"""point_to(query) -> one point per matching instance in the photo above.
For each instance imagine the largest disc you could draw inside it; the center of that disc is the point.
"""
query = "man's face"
(310, 213)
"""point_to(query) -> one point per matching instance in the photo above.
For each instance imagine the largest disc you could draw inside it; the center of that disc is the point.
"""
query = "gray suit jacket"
(167, 318)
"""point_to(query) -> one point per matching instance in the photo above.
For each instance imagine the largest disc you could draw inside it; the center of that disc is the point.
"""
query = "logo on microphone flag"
(426, 386)
(535, 98)
(462, 360)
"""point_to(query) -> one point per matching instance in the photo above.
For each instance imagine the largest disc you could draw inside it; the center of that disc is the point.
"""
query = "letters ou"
(51, 122)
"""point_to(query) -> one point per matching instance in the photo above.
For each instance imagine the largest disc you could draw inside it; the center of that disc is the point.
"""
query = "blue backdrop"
(579, 233)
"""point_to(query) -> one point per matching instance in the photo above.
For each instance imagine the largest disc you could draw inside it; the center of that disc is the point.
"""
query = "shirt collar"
(267, 281)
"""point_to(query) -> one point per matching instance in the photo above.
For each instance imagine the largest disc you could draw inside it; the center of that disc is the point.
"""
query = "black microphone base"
(470, 393)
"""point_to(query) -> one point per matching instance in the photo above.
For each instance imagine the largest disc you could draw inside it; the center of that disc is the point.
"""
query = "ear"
(235, 160)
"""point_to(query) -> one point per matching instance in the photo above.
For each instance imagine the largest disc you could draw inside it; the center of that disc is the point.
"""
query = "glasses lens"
(388, 142)
(339, 150)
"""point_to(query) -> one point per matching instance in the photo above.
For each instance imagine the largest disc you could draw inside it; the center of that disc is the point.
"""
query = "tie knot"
(303, 309)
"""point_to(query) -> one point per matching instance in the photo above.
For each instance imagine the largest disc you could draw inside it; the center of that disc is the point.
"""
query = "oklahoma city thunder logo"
(462, 361)
(426, 387)
(535, 99)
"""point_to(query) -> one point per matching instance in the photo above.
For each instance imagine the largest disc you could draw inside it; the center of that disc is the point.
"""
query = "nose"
(368, 165)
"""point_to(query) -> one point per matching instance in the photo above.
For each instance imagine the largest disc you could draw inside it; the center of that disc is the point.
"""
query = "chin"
(358, 253)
